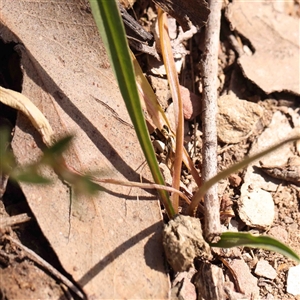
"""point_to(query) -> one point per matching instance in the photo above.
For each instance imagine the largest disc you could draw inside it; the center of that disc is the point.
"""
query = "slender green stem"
(206, 185)
(110, 25)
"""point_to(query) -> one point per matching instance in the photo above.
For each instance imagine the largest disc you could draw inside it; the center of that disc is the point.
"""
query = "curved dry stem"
(175, 91)
(143, 186)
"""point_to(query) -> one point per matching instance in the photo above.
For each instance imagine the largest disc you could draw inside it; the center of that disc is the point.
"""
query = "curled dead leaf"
(20, 102)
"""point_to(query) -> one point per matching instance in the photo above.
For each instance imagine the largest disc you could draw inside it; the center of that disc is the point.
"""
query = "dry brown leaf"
(110, 243)
(20, 102)
(275, 36)
(186, 13)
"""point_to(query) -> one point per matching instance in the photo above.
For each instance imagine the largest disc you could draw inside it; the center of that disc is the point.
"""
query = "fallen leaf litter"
(286, 215)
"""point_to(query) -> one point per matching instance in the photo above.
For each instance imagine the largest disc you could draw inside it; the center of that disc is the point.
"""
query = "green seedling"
(109, 23)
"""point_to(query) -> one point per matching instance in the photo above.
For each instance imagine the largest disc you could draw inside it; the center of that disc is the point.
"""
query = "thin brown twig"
(14, 220)
(73, 173)
(209, 106)
(40, 261)
(142, 185)
(233, 273)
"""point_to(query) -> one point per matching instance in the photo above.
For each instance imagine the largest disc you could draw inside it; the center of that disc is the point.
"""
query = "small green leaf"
(52, 155)
(234, 239)
(30, 177)
(59, 147)
(7, 160)
(225, 173)
(4, 140)
(86, 185)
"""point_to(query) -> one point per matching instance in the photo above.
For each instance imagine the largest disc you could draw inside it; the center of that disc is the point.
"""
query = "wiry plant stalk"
(209, 105)
(174, 87)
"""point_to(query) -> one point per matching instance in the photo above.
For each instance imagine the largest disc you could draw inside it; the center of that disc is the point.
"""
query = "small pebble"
(246, 280)
(159, 145)
(288, 220)
(293, 281)
(235, 180)
(263, 268)
(279, 233)
(256, 208)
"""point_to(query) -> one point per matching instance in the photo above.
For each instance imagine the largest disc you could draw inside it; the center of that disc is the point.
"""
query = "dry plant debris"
(190, 13)
(258, 82)
(64, 70)
(183, 242)
(271, 39)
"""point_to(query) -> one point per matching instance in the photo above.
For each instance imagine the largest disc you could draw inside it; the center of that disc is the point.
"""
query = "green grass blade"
(208, 184)
(30, 176)
(234, 239)
(110, 25)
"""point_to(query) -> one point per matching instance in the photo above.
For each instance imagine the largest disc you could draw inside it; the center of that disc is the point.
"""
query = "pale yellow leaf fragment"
(20, 102)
